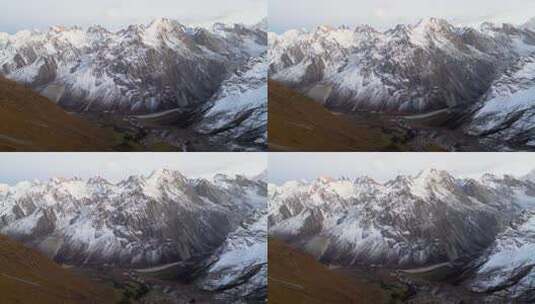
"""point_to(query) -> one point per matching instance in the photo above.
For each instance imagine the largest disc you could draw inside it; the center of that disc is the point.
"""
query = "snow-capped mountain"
(240, 267)
(486, 72)
(508, 266)
(239, 109)
(408, 221)
(507, 111)
(530, 24)
(140, 221)
(139, 69)
(410, 68)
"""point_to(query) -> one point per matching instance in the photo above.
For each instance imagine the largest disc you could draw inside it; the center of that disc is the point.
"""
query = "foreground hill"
(31, 122)
(295, 277)
(29, 277)
(297, 122)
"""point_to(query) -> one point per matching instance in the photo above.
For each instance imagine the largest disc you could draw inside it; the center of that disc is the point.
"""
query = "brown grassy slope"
(31, 122)
(297, 278)
(297, 123)
(28, 277)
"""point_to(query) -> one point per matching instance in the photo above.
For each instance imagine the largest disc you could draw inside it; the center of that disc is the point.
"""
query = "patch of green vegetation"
(126, 142)
(132, 291)
(397, 293)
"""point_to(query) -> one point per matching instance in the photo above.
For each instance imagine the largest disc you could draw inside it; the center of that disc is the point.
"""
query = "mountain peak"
(432, 174)
(325, 179)
(325, 29)
(220, 178)
(166, 174)
(164, 24)
(364, 180)
(433, 23)
(61, 28)
(262, 176)
(161, 22)
(97, 29)
(60, 180)
(365, 29)
(530, 176)
(98, 180)
(529, 25)
(133, 180)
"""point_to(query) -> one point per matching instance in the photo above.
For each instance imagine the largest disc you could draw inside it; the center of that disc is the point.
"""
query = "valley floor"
(144, 288)
(162, 133)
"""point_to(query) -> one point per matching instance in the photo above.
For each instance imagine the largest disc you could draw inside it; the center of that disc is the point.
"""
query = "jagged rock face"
(239, 108)
(141, 221)
(529, 25)
(239, 269)
(140, 69)
(410, 68)
(507, 269)
(408, 221)
(507, 112)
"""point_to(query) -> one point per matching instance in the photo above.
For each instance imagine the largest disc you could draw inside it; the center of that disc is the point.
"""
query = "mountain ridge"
(139, 221)
(399, 222)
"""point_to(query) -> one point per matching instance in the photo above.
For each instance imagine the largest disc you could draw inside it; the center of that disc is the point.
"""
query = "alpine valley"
(427, 85)
(162, 238)
(160, 86)
(429, 238)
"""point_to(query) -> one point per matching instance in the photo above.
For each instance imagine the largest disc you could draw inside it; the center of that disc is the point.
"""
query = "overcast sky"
(17, 167)
(384, 166)
(41, 14)
(284, 14)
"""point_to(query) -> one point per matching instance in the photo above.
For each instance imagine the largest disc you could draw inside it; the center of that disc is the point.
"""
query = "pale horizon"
(117, 14)
(284, 167)
(385, 14)
(20, 167)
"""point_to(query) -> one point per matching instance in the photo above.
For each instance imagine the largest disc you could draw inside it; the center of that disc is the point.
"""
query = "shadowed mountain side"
(28, 277)
(31, 122)
(297, 123)
(295, 277)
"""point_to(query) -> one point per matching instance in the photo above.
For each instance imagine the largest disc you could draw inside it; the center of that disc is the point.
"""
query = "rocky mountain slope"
(408, 221)
(31, 122)
(240, 264)
(239, 110)
(428, 66)
(140, 221)
(27, 276)
(507, 267)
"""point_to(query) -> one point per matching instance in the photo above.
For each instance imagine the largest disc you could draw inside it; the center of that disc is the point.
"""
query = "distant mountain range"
(146, 221)
(484, 73)
(196, 73)
(414, 221)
